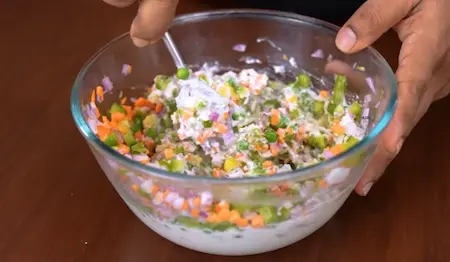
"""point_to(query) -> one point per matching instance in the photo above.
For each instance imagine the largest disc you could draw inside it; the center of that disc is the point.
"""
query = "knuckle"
(368, 20)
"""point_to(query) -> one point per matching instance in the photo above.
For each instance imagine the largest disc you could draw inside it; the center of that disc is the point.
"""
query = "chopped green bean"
(318, 108)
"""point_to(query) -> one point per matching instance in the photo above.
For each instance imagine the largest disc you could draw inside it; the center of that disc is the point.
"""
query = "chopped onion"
(240, 48)
(318, 54)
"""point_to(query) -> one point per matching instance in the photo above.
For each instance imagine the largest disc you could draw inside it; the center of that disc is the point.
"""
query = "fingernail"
(346, 39)
(367, 188)
(140, 42)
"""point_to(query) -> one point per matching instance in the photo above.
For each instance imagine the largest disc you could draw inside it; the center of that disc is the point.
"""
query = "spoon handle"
(173, 50)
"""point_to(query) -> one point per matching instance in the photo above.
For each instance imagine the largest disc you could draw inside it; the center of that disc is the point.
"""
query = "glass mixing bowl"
(300, 201)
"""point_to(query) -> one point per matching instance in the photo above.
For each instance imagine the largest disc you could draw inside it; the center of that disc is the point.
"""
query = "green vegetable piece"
(176, 165)
(241, 208)
(303, 80)
(242, 91)
(259, 171)
(356, 110)
(116, 108)
(190, 222)
(136, 123)
(151, 132)
(235, 116)
(272, 103)
(317, 141)
(242, 145)
(111, 140)
(175, 92)
(167, 121)
(207, 124)
(223, 226)
(183, 73)
(203, 78)
(340, 85)
(162, 81)
(331, 107)
(318, 108)
(129, 139)
(150, 121)
(271, 135)
(285, 213)
(294, 114)
(351, 141)
(200, 105)
(172, 106)
(269, 214)
(179, 150)
(139, 148)
(284, 121)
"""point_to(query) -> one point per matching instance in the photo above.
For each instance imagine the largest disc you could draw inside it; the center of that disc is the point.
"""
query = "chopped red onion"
(213, 116)
(369, 82)
(240, 48)
(318, 54)
(107, 84)
(126, 69)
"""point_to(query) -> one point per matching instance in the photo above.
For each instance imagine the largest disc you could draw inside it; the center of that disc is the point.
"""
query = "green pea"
(175, 92)
(235, 116)
(242, 145)
(284, 121)
(176, 165)
(111, 140)
(207, 124)
(271, 135)
(318, 108)
(172, 106)
(129, 139)
(183, 73)
(303, 80)
(151, 132)
(167, 121)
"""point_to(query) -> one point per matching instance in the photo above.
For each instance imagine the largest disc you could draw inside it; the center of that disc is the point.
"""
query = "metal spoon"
(173, 50)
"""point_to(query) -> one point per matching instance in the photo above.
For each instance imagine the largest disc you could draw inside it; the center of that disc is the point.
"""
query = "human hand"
(423, 74)
(152, 20)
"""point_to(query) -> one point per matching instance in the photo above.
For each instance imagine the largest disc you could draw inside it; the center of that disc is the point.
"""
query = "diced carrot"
(185, 205)
(158, 107)
(100, 93)
(196, 202)
(117, 116)
(138, 135)
(195, 213)
(224, 215)
(129, 112)
(143, 102)
(212, 218)
(323, 184)
(241, 222)
(123, 100)
(336, 150)
(323, 93)
(201, 139)
(267, 164)
(225, 115)
(290, 131)
(221, 128)
(134, 187)
(224, 205)
(338, 129)
(124, 149)
(93, 96)
(187, 115)
(155, 189)
(274, 117)
(103, 131)
(168, 153)
(271, 171)
(257, 221)
(234, 216)
(274, 150)
(265, 148)
(216, 172)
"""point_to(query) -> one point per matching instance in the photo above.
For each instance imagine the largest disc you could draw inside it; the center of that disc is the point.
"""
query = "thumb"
(370, 21)
(153, 19)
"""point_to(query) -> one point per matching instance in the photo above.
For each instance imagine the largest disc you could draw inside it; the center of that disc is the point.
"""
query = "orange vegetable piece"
(275, 117)
(338, 129)
(257, 221)
(158, 107)
(117, 116)
(168, 153)
(323, 93)
(221, 128)
(267, 164)
(241, 222)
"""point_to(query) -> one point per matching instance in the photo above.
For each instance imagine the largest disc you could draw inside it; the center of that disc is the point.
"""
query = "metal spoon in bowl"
(173, 50)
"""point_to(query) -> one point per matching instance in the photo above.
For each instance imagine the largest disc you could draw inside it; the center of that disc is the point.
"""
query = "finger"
(119, 3)
(415, 70)
(370, 21)
(152, 20)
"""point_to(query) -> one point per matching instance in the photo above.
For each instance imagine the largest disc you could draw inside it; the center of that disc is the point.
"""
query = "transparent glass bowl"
(300, 201)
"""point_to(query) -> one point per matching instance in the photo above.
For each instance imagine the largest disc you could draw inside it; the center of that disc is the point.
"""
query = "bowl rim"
(238, 13)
